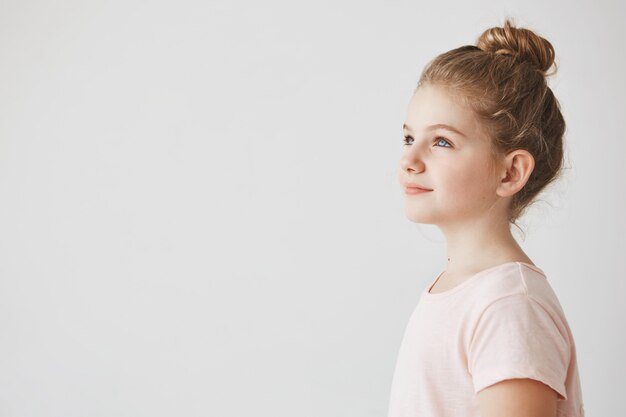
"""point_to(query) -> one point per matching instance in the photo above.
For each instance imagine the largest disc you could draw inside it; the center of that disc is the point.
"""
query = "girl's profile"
(483, 137)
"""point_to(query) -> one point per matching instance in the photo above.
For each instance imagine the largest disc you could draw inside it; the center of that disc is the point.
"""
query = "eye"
(437, 140)
(441, 139)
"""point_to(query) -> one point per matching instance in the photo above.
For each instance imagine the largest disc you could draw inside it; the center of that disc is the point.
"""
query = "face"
(455, 166)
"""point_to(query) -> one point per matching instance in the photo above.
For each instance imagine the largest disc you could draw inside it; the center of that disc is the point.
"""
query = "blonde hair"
(503, 80)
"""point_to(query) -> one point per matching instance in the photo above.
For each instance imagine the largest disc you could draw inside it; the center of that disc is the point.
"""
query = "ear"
(515, 170)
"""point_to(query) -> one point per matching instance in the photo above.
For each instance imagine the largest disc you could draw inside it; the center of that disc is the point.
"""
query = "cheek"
(466, 181)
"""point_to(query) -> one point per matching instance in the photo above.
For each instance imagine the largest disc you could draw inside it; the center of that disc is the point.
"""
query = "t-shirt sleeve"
(516, 337)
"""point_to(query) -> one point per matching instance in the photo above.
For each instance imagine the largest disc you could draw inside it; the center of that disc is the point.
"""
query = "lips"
(410, 185)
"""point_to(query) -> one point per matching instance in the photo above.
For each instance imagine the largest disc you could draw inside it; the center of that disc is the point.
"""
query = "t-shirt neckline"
(428, 294)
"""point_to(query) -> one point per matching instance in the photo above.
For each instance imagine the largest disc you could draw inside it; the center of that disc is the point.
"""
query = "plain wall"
(199, 211)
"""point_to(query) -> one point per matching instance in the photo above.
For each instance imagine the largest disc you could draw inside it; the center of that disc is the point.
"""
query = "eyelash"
(437, 139)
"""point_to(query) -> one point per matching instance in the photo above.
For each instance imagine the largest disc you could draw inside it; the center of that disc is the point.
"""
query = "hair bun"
(519, 42)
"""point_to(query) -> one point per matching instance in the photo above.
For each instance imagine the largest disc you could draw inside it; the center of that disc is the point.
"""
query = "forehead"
(433, 104)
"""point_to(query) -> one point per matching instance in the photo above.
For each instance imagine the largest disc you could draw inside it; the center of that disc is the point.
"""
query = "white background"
(199, 212)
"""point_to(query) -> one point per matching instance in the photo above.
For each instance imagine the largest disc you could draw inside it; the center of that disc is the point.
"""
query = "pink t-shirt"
(503, 322)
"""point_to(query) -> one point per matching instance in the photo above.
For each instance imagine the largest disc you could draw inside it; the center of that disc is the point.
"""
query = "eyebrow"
(439, 126)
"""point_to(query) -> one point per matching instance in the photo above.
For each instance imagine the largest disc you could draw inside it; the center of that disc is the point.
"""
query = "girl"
(484, 136)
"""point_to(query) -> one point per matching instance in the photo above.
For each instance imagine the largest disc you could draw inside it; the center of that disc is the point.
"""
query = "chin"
(417, 216)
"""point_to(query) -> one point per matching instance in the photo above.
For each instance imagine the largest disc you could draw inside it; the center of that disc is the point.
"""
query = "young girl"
(484, 136)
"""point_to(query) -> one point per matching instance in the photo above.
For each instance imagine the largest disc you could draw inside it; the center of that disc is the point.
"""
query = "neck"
(480, 245)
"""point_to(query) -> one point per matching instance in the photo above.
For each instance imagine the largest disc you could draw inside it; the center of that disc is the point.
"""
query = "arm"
(520, 397)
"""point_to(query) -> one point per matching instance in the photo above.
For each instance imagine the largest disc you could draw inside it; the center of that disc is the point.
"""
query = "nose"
(411, 162)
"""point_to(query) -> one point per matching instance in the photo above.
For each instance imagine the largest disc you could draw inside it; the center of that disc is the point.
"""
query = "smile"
(415, 190)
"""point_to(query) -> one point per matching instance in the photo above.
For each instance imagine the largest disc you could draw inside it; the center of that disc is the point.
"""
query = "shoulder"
(519, 293)
(519, 344)
(516, 282)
